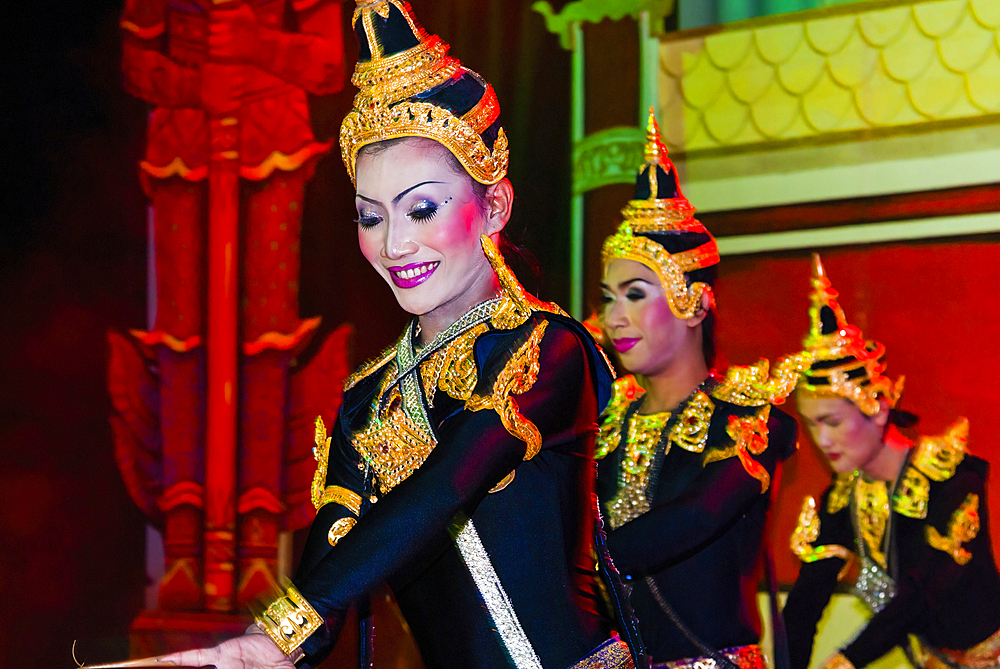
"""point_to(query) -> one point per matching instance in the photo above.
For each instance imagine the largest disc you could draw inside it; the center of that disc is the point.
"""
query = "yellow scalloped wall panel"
(965, 47)
(983, 84)
(909, 56)
(775, 113)
(879, 29)
(776, 44)
(877, 69)
(750, 79)
(936, 91)
(986, 13)
(939, 18)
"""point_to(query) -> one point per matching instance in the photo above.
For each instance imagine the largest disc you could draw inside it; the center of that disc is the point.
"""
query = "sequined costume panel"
(699, 532)
(945, 580)
(534, 533)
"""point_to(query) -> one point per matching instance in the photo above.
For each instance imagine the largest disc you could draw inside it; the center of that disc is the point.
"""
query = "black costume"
(946, 586)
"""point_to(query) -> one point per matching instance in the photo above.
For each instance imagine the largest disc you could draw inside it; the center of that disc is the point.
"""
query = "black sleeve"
(932, 572)
(673, 530)
(474, 453)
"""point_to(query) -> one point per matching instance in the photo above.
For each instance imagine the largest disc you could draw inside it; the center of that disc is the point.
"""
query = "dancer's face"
(636, 316)
(848, 438)
(419, 225)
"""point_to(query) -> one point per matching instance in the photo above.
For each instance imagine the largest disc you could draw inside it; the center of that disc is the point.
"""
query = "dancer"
(688, 454)
(913, 515)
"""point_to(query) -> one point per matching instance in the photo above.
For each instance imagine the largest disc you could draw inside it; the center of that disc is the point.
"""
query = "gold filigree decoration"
(339, 529)
(336, 494)
(289, 620)
(840, 496)
(321, 451)
(394, 445)
(690, 432)
(912, 494)
(754, 386)
(642, 438)
(457, 374)
(624, 391)
(516, 378)
(939, 457)
(807, 532)
(962, 528)
(872, 504)
(370, 367)
(423, 119)
(684, 300)
(612, 654)
(516, 305)
(749, 435)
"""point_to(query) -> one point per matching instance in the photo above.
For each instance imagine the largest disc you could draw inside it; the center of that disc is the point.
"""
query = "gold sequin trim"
(612, 654)
(289, 620)
(754, 386)
(912, 495)
(339, 529)
(336, 494)
(840, 496)
(624, 391)
(939, 457)
(807, 531)
(516, 378)
(495, 597)
(370, 367)
(872, 503)
(690, 432)
(962, 528)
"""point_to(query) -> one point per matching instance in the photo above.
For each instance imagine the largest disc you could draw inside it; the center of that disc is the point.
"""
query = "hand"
(250, 651)
(233, 35)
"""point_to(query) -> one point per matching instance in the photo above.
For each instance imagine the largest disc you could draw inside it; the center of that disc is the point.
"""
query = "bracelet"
(289, 620)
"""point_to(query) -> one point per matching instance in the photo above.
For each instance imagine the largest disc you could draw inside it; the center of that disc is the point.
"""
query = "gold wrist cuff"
(289, 620)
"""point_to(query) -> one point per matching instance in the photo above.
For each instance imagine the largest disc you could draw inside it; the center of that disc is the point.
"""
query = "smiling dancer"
(459, 470)
(687, 464)
(914, 515)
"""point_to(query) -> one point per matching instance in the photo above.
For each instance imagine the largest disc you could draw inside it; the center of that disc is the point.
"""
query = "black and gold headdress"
(658, 212)
(410, 87)
(838, 361)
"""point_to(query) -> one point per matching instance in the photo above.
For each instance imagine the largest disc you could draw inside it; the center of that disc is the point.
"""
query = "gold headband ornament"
(837, 360)
(399, 68)
(664, 211)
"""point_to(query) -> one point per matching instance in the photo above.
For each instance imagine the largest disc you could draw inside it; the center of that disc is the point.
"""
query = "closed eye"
(367, 219)
(423, 211)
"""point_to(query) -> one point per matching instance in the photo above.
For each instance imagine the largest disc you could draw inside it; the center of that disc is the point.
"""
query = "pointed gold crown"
(409, 87)
(659, 208)
(841, 362)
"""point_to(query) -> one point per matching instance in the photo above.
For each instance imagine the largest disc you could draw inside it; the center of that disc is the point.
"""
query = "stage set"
(183, 293)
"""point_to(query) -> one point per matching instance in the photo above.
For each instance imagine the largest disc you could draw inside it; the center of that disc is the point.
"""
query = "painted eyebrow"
(625, 284)
(399, 197)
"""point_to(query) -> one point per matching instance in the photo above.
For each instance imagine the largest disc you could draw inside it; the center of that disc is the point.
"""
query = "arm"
(146, 72)
(312, 59)
(474, 452)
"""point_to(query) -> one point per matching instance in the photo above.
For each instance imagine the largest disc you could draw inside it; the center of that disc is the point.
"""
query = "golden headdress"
(841, 363)
(658, 212)
(410, 87)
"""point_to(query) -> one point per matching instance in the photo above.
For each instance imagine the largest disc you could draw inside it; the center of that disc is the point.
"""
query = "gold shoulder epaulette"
(939, 457)
(625, 391)
(962, 528)
(753, 386)
(840, 496)
(370, 367)
(749, 435)
(807, 531)
(912, 494)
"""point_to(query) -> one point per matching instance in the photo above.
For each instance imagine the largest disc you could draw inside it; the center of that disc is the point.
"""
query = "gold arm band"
(289, 620)
(336, 494)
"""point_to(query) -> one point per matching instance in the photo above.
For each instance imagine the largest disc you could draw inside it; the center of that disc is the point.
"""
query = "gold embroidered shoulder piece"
(624, 392)
(749, 435)
(690, 432)
(963, 527)
(938, 457)
(752, 386)
(840, 496)
(807, 532)
(912, 494)
(516, 378)
(370, 367)
(872, 504)
(452, 369)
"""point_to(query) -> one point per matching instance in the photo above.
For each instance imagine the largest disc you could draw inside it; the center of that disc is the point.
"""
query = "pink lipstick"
(624, 344)
(412, 275)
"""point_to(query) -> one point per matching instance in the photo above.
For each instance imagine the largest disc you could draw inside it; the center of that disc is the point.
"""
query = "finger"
(144, 662)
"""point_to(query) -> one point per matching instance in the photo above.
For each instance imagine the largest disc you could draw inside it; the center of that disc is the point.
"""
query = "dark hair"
(521, 261)
(676, 242)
